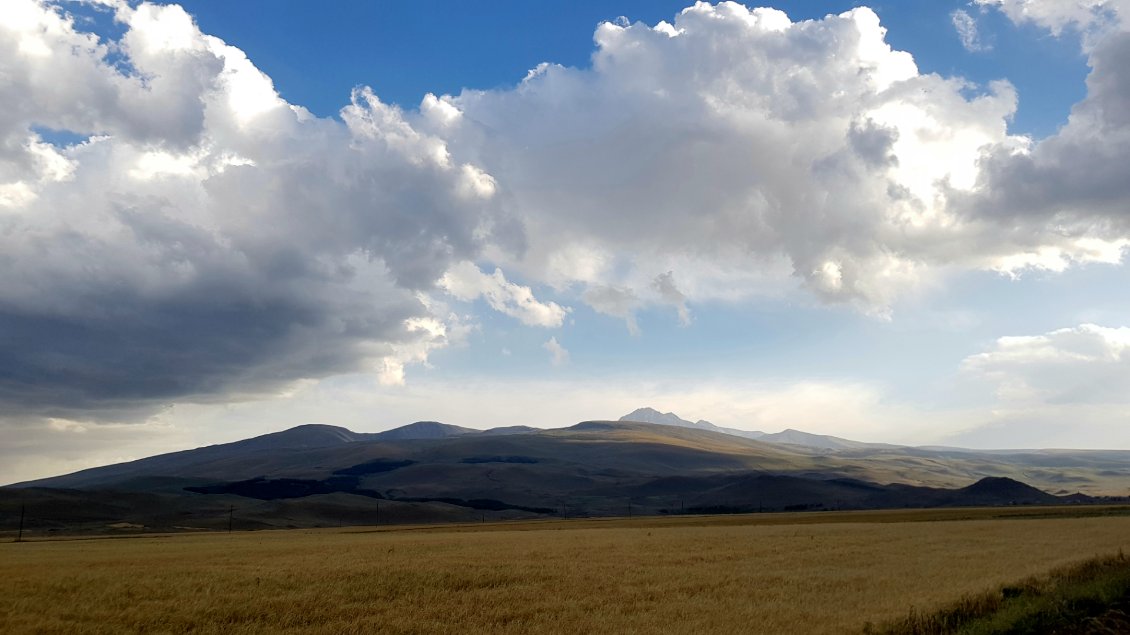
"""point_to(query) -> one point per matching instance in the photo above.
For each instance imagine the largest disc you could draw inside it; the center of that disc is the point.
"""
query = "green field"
(779, 573)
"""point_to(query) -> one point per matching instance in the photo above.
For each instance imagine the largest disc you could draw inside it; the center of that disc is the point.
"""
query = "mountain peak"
(424, 430)
(651, 415)
(309, 435)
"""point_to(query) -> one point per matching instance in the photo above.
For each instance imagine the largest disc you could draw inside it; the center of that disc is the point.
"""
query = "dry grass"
(727, 574)
(1089, 597)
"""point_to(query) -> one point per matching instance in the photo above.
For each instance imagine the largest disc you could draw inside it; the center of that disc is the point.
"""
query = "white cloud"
(467, 282)
(429, 334)
(730, 140)
(967, 31)
(1087, 365)
(558, 356)
(1064, 199)
(1091, 17)
(1065, 388)
(735, 140)
(209, 241)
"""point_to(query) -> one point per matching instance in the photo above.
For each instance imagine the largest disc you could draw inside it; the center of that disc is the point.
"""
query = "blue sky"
(317, 55)
(224, 219)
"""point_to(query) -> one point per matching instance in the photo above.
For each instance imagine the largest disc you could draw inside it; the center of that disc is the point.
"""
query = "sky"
(904, 221)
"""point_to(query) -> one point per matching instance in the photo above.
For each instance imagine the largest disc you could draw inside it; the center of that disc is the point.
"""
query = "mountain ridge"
(430, 470)
(790, 436)
(651, 415)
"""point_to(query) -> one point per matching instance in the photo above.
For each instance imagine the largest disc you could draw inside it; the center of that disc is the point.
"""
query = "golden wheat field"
(725, 575)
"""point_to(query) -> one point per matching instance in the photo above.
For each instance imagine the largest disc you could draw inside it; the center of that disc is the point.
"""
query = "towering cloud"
(736, 140)
(198, 238)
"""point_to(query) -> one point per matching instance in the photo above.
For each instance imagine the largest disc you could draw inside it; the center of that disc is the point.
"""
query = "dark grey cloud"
(1079, 173)
(669, 293)
(209, 242)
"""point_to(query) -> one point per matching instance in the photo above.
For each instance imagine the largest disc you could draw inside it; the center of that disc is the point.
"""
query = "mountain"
(431, 472)
(289, 451)
(305, 436)
(790, 436)
(424, 430)
(651, 415)
(820, 441)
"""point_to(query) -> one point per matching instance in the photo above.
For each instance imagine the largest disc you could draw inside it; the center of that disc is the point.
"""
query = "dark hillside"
(595, 468)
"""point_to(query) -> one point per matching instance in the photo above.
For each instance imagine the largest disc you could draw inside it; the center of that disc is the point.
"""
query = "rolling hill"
(428, 471)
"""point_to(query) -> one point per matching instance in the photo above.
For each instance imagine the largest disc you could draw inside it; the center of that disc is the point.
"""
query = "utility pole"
(629, 509)
(20, 535)
(378, 512)
(231, 511)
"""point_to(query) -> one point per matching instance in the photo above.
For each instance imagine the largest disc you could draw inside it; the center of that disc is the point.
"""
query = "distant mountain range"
(790, 436)
(428, 471)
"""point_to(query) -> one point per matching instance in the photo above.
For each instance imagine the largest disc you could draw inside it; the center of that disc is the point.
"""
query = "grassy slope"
(672, 575)
(1089, 597)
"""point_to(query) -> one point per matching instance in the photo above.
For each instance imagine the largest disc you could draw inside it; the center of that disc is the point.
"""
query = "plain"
(769, 573)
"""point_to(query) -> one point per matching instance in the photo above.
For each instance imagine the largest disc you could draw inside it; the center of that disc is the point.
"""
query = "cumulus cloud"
(967, 31)
(204, 239)
(736, 139)
(1087, 364)
(1065, 198)
(558, 355)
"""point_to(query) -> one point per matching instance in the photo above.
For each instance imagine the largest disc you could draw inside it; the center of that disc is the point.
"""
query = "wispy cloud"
(967, 30)
(664, 285)
(558, 356)
(1095, 19)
